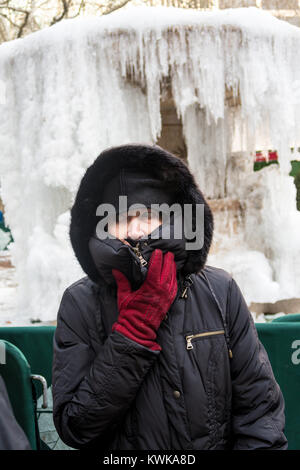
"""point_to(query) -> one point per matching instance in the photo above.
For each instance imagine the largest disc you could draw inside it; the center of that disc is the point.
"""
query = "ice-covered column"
(65, 102)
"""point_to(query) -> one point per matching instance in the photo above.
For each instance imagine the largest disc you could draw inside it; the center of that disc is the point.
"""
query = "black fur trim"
(160, 163)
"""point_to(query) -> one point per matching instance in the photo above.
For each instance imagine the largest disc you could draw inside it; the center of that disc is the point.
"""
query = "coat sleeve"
(92, 392)
(258, 418)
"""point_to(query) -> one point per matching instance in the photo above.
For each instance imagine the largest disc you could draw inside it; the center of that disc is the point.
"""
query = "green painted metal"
(281, 340)
(36, 343)
(291, 317)
(16, 375)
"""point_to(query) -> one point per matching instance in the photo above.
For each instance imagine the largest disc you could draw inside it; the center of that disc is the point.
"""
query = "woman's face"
(136, 226)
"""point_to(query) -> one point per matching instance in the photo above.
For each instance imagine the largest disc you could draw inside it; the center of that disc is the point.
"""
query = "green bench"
(27, 373)
(281, 339)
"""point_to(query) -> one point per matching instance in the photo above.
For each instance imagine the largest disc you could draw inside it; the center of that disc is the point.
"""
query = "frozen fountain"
(82, 85)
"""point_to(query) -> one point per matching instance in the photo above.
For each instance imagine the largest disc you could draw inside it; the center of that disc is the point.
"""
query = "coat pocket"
(198, 336)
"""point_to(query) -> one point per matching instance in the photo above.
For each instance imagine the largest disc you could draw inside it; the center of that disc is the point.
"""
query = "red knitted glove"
(142, 311)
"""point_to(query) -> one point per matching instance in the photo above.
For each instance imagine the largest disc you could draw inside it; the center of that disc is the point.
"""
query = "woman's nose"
(134, 229)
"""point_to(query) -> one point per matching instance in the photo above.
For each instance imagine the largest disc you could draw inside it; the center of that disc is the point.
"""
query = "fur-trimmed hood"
(159, 163)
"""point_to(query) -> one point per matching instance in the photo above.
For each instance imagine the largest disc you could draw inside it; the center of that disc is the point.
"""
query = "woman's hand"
(142, 311)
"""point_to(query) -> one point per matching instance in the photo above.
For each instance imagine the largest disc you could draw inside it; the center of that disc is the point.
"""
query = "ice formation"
(73, 89)
(263, 250)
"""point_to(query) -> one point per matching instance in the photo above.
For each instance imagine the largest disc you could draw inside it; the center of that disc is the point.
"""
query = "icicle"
(67, 97)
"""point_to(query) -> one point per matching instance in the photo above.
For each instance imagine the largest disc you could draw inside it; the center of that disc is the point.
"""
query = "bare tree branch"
(82, 3)
(22, 26)
(64, 13)
(18, 10)
(3, 15)
(113, 7)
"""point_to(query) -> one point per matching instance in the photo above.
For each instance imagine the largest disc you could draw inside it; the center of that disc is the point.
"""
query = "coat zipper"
(223, 317)
(139, 254)
(187, 283)
(189, 338)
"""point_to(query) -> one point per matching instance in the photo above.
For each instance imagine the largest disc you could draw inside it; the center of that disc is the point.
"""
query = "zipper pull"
(187, 283)
(184, 294)
(189, 342)
(139, 254)
(142, 260)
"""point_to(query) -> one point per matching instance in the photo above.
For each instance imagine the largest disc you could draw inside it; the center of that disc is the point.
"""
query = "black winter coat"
(210, 387)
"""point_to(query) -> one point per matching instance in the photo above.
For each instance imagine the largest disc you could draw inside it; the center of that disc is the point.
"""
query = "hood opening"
(161, 164)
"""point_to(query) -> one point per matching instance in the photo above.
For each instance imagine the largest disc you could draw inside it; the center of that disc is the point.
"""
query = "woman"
(153, 348)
